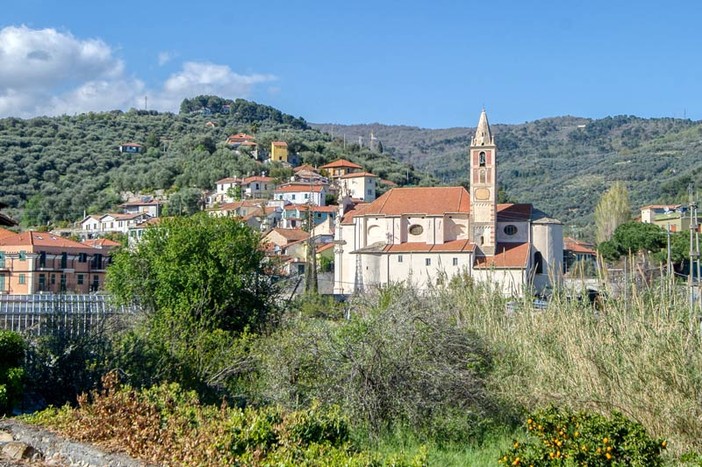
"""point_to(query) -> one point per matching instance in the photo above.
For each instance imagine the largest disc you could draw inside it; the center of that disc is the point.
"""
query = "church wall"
(508, 281)
(522, 235)
(548, 240)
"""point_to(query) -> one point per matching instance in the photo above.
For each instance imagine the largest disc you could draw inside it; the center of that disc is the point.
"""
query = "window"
(22, 255)
(399, 258)
(510, 229)
(427, 261)
(42, 282)
(292, 197)
(42, 259)
(481, 176)
(481, 158)
(22, 279)
(97, 261)
(64, 260)
(416, 229)
(370, 192)
(2, 259)
(307, 195)
(80, 279)
(538, 263)
(63, 282)
(455, 261)
(53, 279)
(83, 257)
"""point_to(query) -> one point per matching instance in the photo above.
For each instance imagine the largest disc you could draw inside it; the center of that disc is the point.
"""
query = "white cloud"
(205, 78)
(47, 72)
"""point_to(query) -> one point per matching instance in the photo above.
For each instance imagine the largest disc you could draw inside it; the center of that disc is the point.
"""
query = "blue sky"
(429, 64)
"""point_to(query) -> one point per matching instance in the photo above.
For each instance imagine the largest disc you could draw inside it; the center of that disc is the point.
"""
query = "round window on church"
(416, 229)
(510, 229)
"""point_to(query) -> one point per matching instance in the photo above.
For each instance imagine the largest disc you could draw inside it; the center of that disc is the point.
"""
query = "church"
(422, 235)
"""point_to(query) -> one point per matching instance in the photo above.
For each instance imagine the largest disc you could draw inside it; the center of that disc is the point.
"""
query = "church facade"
(421, 235)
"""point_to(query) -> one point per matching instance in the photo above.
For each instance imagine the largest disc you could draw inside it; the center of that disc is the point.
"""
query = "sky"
(428, 64)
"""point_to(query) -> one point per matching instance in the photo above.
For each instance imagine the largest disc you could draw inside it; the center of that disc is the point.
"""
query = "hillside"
(56, 169)
(560, 164)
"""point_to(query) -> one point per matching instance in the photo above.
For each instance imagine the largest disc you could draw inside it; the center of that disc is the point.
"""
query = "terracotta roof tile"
(305, 167)
(340, 164)
(101, 243)
(301, 188)
(291, 234)
(513, 212)
(357, 210)
(325, 247)
(40, 239)
(421, 200)
(507, 256)
(576, 246)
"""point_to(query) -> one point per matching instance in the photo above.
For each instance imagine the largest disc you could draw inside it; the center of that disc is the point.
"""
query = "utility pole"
(694, 253)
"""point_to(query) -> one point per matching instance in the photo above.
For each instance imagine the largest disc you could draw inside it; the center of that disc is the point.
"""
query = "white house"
(302, 193)
(420, 235)
(359, 185)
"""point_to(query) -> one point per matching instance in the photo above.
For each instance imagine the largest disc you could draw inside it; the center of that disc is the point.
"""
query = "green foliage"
(612, 210)
(632, 238)
(561, 437)
(57, 168)
(12, 351)
(167, 425)
(200, 269)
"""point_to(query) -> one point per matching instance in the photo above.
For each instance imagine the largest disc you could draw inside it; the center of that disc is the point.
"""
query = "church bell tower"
(483, 187)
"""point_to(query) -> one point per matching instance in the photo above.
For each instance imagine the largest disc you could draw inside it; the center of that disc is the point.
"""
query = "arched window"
(481, 176)
(481, 159)
(538, 263)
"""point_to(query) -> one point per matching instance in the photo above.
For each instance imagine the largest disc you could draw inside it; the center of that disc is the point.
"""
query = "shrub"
(12, 350)
(167, 425)
(561, 437)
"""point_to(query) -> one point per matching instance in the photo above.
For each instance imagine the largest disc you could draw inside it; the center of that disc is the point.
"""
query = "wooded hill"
(55, 169)
(563, 164)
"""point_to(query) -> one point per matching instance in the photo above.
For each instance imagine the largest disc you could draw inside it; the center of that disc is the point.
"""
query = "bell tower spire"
(483, 187)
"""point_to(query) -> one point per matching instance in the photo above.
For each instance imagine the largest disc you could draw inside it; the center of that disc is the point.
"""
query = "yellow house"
(279, 151)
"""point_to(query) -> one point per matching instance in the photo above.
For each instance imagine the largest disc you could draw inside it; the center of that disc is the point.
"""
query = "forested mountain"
(53, 169)
(563, 164)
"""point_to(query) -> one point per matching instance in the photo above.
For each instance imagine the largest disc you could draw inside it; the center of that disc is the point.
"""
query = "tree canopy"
(202, 269)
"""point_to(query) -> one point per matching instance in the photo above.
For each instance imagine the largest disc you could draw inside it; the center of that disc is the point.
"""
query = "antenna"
(146, 102)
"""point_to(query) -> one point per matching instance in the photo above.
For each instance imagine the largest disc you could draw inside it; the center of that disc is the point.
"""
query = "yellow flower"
(516, 461)
(664, 444)
(605, 440)
(609, 456)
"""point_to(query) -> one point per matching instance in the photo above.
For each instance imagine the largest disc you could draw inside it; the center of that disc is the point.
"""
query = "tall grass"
(639, 353)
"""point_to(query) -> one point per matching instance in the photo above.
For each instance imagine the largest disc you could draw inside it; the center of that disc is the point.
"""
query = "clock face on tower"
(481, 194)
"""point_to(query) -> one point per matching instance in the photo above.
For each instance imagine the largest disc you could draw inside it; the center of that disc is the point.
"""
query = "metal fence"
(42, 314)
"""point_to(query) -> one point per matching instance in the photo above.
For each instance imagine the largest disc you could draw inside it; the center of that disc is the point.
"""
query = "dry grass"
(639, 354)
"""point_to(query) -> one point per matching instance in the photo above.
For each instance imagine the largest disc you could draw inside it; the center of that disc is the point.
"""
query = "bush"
(167, 425)
(397, 362)
(561, 437)
(12, 350)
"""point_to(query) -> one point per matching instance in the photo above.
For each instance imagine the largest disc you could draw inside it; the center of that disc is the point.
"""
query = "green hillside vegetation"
(563, 164)
(54, 169)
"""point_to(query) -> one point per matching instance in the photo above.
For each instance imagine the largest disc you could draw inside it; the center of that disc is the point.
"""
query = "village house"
(33, 262)
(149, 206)
(93, 226)
(422, 235)
(358, 185)
(279, 151)
(578, 252)
(228, 189)
(302, 193)
(668, 216)
(339, 168)
(298, 215)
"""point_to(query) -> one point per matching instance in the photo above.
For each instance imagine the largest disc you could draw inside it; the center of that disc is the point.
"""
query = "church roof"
(507, 256)
(511, 212)
(421, 200)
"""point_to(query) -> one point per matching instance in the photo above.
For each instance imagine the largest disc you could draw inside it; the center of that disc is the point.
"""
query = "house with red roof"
(32, 262)
(339, 168)
(422, 235)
